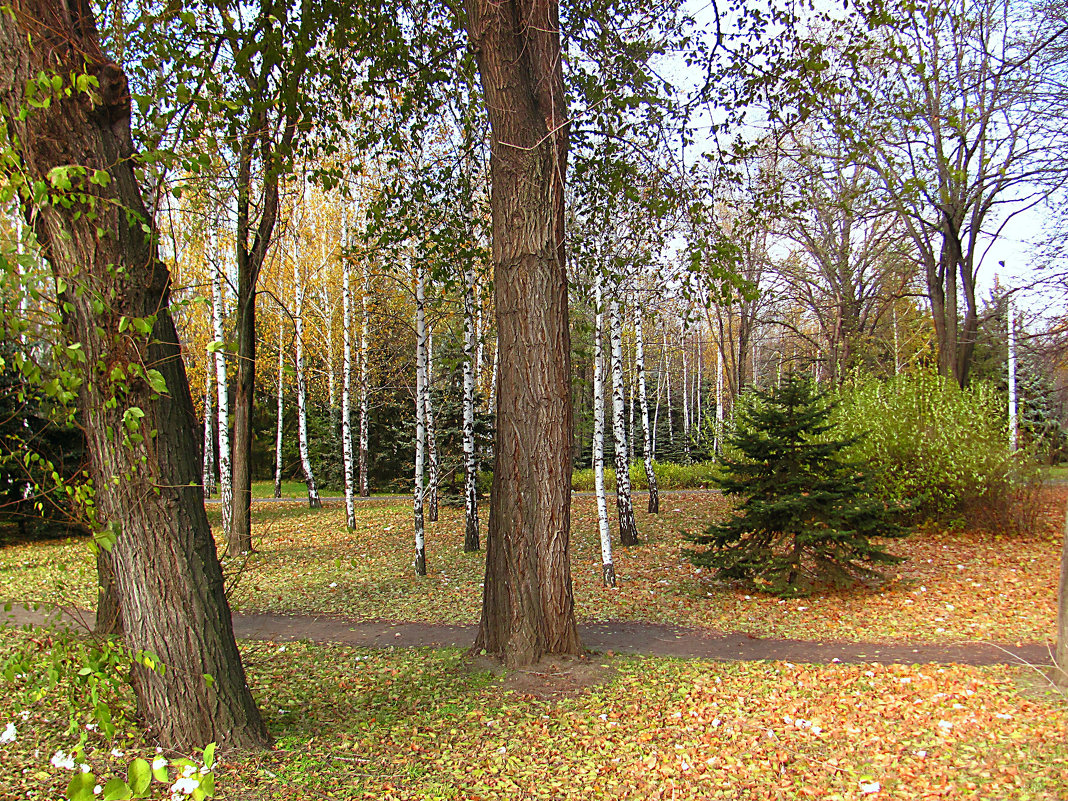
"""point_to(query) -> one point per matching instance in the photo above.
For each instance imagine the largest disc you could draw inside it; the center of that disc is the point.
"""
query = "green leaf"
(157, 381)
(140, 776)
(81, 787)
(209, 749)
(117, 790)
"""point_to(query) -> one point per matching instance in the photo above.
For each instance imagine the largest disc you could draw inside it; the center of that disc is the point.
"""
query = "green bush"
(937, 449)
(669, 476)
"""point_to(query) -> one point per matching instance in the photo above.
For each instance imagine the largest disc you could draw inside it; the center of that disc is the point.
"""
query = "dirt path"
(621, 637)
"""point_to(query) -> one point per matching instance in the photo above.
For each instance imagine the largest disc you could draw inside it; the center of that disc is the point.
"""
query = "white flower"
(9, 734)
(97, 789)
(61, 760)
(188, 770)
(333, 583)
(25, 715)
(84, 768)
(184, 785)
(159, 763)
(869, 787)
(502, 749)
(115, 752)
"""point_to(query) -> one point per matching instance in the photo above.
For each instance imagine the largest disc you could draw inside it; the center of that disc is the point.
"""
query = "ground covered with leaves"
(426, 724)
(954, 585)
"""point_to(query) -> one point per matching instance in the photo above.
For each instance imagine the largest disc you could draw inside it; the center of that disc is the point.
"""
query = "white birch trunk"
(608, 570)
(493, 381)
(699, 417)
(719, 398)
(471, 527)
(639, 374)
(346, 389)
(226, 486)
(331, 376)
(420, 412)
(278, 412)
(628, 528)
(667, 392)
(431, 434)
(209, 422)
(1013, 421)
(314, 501)
(685, 396)
(365, 323)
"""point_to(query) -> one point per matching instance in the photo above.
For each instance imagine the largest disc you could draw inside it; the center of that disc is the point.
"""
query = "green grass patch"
(669, 476)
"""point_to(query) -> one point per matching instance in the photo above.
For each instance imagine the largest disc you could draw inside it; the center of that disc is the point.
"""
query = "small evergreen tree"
(807, 518)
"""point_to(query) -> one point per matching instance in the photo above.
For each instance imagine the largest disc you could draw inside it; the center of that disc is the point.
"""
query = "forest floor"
(397, 722)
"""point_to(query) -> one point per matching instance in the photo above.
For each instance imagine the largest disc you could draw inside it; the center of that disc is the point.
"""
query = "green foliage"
(930, 445)
(669, 476)
(805, 519)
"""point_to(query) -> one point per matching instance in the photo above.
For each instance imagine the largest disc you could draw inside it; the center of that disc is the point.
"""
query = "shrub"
(937, 449)
(669, 476)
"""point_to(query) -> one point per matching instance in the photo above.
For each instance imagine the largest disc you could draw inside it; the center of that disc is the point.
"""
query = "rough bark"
(108, 605)
(628, 527)
(643, 399)
(471, 525)
(528, 606)
(146, 468)
(608, 568)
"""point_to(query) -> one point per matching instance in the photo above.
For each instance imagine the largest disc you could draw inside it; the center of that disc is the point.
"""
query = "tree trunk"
(222, 387)
(639, 369)
(365, 316)
(471, 527)
(431, 434)
(1013, 422)
(527, 605)
(108, 606)
(346, 390)
(685, 396)
(419, 492)
(279, 406)
(1060, 655)
(608, 568)
(314, 502)
(145, 472)
(628, 527)
(719, 398)
(208, 473)
(240, 537)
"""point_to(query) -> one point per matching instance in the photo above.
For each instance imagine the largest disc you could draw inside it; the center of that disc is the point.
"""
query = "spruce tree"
(806, 519)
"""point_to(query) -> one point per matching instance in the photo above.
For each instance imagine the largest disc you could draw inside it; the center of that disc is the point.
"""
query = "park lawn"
(955, 586)
(428, 724)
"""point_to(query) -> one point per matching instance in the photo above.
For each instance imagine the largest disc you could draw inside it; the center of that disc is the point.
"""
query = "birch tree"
(226, 487)
(420, 416)
(314, 502)
(431, 433)
(608, 569)
(346, 388)
(279, 410)
(365, 321)
(208, 473)
(639, 369)
(628, 527)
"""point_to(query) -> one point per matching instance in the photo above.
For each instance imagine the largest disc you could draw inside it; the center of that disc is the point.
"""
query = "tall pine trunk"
(471, 532)
(639, 369)
(608, 568)
(314, 502)
(628, 527)
(419, 492)
(145, 471)
(527, 604)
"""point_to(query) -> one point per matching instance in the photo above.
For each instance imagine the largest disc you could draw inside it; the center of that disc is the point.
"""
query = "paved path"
(623, 637)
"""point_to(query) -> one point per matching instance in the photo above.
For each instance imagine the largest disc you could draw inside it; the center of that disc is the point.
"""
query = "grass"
(429, 724)
(425, 724)
(669, 476)
(955, 586)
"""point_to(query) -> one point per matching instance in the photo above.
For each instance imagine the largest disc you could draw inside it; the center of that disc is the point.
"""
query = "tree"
(71, 138)
(528, 606)
(805, 519)
(628, 527)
